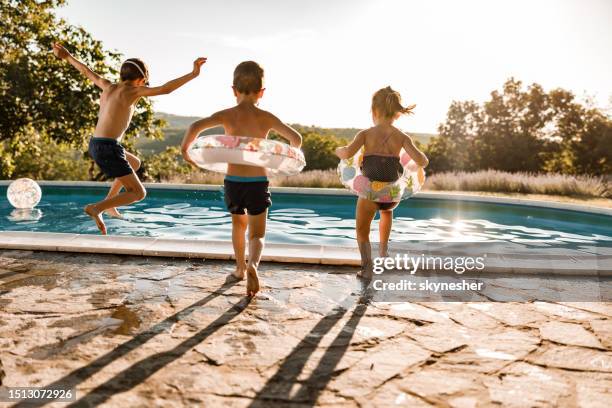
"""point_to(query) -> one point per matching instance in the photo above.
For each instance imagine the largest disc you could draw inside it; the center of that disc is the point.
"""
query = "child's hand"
(188, 158)
(197, 64)
(59, 51)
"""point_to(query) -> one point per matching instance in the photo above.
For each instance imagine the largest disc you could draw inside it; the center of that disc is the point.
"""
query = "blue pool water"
(310, 219)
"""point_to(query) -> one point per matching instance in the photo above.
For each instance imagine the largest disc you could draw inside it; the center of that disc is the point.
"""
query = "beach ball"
(24, 193)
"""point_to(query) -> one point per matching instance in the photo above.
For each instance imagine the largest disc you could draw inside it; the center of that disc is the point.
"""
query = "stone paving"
(158, 332)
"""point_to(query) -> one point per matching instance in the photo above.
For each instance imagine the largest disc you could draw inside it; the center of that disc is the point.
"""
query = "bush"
(41, 159)
(525, 183)
(319, 151)
(166, 164)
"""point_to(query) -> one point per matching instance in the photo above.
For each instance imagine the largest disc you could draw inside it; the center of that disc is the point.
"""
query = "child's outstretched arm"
(287, 132)
(173, 85)
(416, 155)
(195, 129)
(352, 148)
(62, 53)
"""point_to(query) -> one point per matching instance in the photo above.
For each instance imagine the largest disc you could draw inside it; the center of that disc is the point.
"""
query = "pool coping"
(344, 192)
(526, 262)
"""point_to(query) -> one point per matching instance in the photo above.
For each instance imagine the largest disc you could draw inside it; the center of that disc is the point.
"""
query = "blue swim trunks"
(109, 155)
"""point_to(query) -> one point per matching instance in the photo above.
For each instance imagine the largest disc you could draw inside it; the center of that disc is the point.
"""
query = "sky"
(323, 59)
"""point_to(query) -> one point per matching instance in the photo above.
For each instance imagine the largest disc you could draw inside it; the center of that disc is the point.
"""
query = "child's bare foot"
(238, 274)
(366, 272)
(252, 281)
(112, 212)
(93, 213)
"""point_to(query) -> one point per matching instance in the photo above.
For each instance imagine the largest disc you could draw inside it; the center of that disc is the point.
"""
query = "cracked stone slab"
(603, 330)
(510, 314)
(573, 358)
(489, 352)
(521, 385)
(440, 338)
(571, 334)
(593, 390)
(437, 385)
(391, 395)
(379, 365)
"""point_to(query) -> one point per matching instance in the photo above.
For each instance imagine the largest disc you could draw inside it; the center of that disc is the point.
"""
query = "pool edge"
(534, 263)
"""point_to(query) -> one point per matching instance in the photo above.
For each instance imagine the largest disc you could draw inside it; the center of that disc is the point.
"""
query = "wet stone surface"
(134, 331)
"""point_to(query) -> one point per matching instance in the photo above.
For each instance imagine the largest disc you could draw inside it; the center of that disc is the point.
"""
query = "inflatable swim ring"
(214, 152)
(407, 185)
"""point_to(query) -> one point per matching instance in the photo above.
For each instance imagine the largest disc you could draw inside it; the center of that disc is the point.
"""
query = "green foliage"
(319, 151)
(524, 130)
(172, 137)
(168, 163)
(43, 99)
(48, 160)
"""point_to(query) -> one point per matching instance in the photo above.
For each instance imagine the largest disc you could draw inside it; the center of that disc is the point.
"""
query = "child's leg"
(366, 210)
(239, 226)
(134, 191)
(257, 233)
(384, 230)
(116, 186)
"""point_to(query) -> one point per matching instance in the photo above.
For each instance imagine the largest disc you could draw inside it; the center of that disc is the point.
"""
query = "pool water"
(310, 219)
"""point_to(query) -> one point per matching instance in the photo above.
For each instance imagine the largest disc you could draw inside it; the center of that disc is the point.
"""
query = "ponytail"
(387, 103)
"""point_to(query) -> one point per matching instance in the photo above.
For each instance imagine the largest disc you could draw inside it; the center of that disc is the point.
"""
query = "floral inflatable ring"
(407, 185)
(215, 152)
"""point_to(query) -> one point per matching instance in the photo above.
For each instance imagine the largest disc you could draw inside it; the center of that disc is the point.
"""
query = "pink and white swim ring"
(407, 185)
(214, 152)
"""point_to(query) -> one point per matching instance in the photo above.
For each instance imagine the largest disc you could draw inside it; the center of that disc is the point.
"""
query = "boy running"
(246, 187)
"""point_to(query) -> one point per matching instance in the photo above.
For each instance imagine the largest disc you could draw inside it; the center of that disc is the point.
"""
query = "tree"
(454, 148)
(319, 151)
(44, 97)
(524, 129)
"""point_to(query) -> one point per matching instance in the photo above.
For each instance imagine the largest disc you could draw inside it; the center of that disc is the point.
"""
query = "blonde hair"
(387, 103)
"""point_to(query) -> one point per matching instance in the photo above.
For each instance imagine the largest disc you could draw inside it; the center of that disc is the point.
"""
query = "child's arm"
(175, 83)
(195, 129)
(353, 147)
(416, 155)
(62, 53)
(293, 136)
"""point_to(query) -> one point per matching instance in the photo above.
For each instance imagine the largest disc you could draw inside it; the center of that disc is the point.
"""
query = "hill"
(175, 130)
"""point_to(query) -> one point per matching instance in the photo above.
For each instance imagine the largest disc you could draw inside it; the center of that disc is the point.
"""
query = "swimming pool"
(310, 219)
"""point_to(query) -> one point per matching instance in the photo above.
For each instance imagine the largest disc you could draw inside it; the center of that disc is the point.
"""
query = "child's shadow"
(278, 387)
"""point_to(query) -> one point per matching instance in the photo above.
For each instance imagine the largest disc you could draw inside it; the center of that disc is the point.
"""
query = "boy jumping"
(246, 187)
(117, 104)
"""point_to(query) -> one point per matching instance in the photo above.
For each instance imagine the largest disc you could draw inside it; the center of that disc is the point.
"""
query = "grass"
(489, 181)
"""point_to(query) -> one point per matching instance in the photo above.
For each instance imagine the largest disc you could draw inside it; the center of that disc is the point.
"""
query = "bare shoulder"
(111, 88)
(365, 133)
(267, 116)
(222, 113)
(400, 134)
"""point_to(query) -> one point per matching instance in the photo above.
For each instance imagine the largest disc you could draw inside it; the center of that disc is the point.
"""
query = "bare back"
(117, 104)
(246, 120)
(384, 141)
